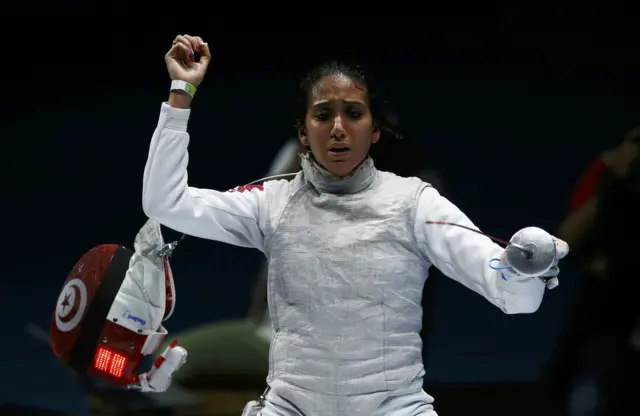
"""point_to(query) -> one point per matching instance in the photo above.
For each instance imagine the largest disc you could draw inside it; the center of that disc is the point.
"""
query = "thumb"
(205, 54)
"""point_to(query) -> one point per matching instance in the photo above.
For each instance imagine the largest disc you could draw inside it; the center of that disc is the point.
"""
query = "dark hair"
(383, 117)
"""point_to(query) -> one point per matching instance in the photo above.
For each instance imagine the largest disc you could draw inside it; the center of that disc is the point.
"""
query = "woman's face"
(338, 125)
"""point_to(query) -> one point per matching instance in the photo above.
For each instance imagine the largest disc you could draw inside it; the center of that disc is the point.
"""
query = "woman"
(348, 247)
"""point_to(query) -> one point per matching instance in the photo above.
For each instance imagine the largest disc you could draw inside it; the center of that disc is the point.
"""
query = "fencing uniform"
(348, 259)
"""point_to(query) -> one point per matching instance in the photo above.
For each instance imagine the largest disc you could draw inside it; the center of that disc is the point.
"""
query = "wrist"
(181, 94)
(179, 99)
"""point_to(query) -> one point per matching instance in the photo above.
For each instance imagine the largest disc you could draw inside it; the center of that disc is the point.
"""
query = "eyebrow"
(325, 102)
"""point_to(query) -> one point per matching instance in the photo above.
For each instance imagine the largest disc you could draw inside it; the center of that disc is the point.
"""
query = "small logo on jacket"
(247, 188)
(129, 316)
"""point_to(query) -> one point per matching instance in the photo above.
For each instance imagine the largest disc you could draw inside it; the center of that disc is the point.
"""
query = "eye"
(321, 115)
(354, 113)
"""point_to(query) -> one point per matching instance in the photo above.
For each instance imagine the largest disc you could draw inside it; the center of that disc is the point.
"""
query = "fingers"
(187, 45)
(189, 41)
(553, 283)
(205, 54)
(200, 46)
(194, 42)
(562, 248)
(180, 51)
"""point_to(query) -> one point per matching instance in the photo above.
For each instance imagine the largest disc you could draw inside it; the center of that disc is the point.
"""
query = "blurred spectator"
(235, 354)
(595, 366)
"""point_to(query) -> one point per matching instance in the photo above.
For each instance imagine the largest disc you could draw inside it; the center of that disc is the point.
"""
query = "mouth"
(339, 150)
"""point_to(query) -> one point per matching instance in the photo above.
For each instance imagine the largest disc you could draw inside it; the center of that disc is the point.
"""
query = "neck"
(357, 180)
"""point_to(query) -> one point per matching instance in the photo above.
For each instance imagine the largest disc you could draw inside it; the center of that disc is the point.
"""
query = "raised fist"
(181, 62)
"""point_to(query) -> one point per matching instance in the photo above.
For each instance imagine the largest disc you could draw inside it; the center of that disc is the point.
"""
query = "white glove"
(158, 379)
(252, 408)
(549, 277)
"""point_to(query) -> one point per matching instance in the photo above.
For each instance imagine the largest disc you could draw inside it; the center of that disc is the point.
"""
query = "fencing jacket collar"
(321, 179)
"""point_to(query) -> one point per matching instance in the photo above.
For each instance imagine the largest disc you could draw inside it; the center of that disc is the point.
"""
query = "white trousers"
(415, 403)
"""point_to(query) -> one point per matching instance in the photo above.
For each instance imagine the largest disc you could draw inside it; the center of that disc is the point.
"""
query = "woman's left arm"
(464, 256)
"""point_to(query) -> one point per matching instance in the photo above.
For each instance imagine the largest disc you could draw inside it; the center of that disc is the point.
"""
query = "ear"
(376, 135)
(302, 135)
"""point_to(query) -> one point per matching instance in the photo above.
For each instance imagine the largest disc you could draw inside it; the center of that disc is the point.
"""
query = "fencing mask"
(109, 314)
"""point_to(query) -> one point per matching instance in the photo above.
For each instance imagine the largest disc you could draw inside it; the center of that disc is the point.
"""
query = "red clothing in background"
(587, 184)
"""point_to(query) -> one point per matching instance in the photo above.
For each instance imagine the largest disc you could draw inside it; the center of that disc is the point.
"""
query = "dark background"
(509, 115)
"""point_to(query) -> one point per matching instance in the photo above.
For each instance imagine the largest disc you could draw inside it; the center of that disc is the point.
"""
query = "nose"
(337, 131)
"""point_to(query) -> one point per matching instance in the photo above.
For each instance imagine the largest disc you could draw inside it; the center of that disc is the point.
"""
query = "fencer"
(348, 247)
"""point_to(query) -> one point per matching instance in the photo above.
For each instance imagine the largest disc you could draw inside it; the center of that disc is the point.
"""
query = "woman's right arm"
(235, 217)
